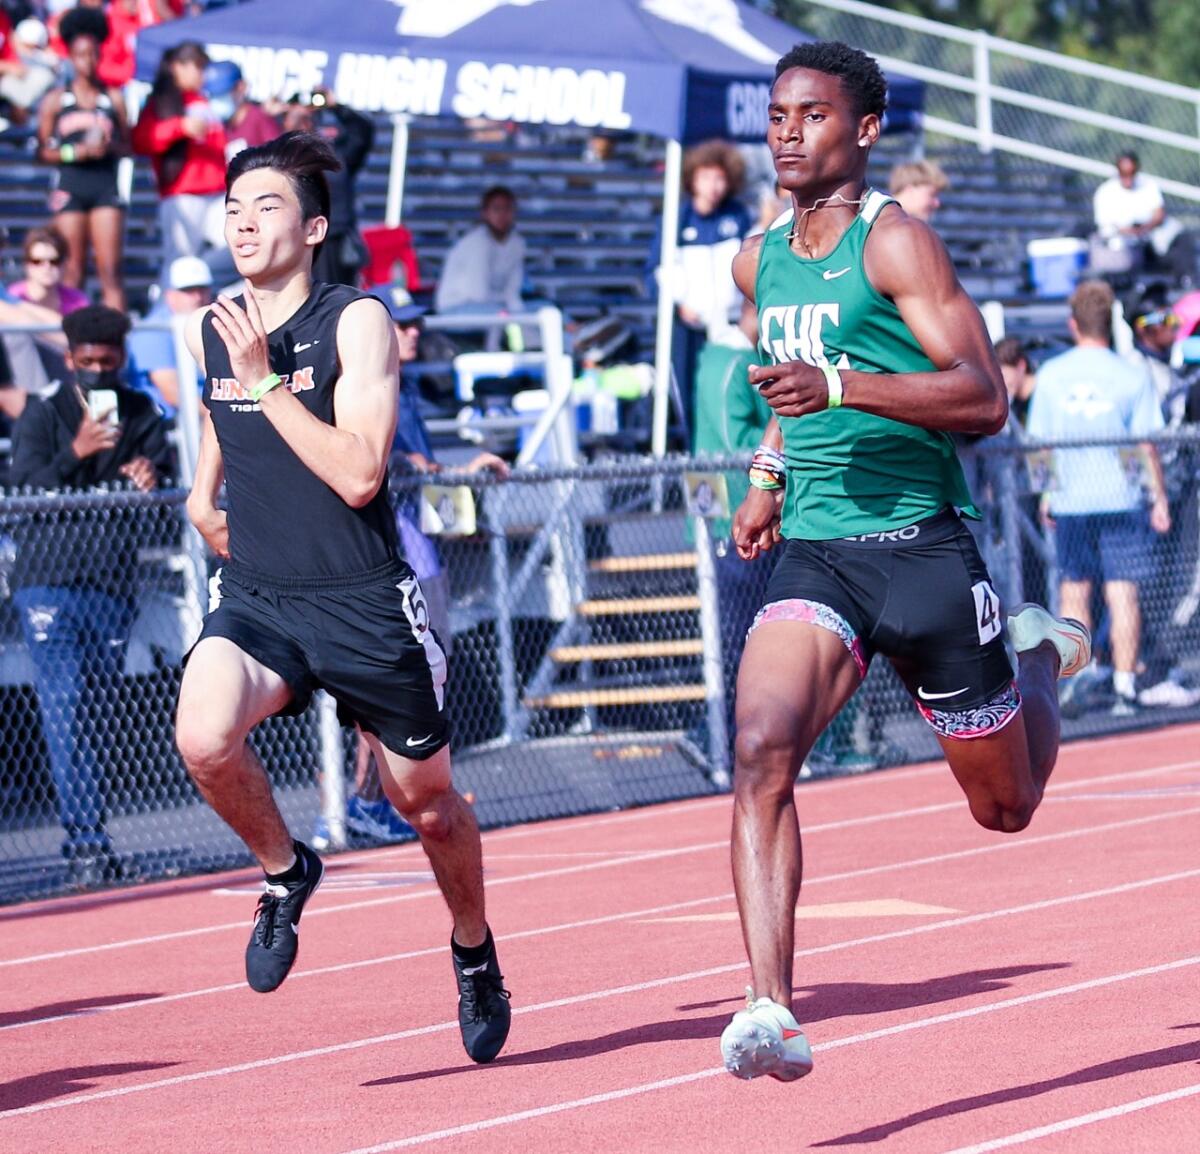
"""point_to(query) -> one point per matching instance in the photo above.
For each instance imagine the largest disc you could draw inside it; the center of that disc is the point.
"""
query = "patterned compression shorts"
(920, 596)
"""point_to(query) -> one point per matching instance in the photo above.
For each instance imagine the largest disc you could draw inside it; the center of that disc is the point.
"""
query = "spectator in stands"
(126, 18)
(83, 132)
(1130, 215)
(918, 186)
(712, 224)
(74, 588)
(186, 143)
(189, 286)
(44, 254)
(1099, 509)
(28, 70)
(247, 124)
(351, 134)
(485, 268)
(1155, 326)
(12, 396)
(1019, 379)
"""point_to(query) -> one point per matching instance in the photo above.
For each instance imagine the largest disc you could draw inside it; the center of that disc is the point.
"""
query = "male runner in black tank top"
(301, 387)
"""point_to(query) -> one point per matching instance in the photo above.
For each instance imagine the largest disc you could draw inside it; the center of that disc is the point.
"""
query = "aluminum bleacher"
(589, 224)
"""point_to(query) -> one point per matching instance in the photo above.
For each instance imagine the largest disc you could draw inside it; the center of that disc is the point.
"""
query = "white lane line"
(1079, 1120)
(692, 805)
(852, 1040)
(539, 1112)
(701, 847)
(652, 984)
(492, 883)
(866, 871)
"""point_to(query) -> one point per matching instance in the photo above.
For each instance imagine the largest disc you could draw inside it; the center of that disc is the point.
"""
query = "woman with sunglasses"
(83, 131)
(45, 254)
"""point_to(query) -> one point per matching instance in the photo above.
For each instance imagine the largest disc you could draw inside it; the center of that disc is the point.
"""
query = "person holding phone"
(74, 588)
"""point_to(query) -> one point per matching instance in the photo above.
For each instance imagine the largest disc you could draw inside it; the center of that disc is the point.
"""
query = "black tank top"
(284, 521)
(74, 125)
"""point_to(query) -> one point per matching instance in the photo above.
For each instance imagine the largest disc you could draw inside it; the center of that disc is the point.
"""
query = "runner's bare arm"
(906, 261)
(756, 521)
(351, 455)
(745, 265)
(210, 522)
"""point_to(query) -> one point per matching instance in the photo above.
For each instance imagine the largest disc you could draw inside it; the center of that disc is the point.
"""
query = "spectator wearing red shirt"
(185, 140)
(10, 61)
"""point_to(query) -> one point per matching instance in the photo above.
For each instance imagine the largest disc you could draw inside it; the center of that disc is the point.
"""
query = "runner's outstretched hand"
(245, 338)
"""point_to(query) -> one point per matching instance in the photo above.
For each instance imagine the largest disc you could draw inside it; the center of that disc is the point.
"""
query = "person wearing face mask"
(74, 588)
(247, 124)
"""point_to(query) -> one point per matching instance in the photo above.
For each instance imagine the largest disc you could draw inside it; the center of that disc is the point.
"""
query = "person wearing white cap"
(189, 286)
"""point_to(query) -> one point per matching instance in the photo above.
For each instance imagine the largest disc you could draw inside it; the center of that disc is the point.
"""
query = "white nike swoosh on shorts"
(939, 696)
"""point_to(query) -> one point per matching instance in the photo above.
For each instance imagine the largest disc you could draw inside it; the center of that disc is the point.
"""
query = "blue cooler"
(1055, 264)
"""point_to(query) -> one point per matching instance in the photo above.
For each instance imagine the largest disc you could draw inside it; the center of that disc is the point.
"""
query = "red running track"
(963, 991)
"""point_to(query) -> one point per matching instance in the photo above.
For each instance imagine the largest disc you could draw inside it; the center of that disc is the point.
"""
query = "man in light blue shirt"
(1098, 502)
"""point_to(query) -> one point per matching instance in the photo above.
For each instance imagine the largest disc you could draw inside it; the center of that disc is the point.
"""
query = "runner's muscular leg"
(793, 679)
(224, 695)
(1004, 774)
(423, 794)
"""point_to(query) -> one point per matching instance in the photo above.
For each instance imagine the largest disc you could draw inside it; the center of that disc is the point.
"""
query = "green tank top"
(849, 472)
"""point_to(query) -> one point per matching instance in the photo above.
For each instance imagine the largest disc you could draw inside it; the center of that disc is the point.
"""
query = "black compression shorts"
(920, 596)
(365, 640)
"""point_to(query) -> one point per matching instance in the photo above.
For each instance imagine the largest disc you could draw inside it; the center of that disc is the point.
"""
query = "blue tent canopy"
(680, 69)
(683, 70)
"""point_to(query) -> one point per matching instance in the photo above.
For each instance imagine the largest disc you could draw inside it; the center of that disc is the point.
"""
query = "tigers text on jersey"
(284, 521)
(849, 472)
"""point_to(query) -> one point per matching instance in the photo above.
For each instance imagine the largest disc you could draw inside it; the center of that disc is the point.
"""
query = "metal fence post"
(1012, 590)
(983, 91)
(333, 769)
(506, 663)
(714, 671)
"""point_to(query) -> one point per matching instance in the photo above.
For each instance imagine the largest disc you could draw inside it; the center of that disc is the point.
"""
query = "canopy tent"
(681, 69)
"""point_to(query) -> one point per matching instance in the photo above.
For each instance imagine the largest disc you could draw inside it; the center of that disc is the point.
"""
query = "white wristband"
(833, 382)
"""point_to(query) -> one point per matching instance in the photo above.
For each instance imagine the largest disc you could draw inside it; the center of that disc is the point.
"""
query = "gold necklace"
(800, 226)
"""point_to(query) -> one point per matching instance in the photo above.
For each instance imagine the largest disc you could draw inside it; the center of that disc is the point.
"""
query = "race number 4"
(987, 611)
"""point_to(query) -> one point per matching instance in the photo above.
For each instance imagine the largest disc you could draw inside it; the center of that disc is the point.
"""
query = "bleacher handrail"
(977, 81)
(1014, 48)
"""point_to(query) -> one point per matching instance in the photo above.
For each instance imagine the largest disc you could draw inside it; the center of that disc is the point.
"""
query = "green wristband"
(272, 381)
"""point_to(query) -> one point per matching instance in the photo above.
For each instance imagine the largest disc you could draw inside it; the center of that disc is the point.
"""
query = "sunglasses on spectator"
(1160, 317)
(40, 260)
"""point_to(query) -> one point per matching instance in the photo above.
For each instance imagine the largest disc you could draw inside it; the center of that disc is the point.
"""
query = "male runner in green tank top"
(872, 354)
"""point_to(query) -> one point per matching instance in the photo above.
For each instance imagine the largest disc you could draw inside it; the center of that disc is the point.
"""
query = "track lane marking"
(649, 855)
(676, 979)
(1079, 1120)
(866, 871)
(852, 1040)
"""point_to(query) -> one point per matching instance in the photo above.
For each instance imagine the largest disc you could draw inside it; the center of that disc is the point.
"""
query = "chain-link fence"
(594, 618)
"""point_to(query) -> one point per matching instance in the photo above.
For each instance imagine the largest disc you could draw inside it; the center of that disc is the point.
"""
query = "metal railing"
(998, 94)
